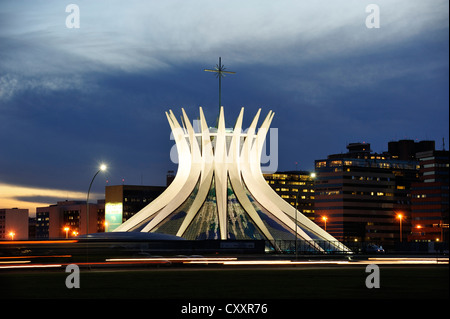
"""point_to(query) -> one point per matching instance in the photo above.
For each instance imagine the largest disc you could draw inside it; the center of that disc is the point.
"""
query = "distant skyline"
(72, 98)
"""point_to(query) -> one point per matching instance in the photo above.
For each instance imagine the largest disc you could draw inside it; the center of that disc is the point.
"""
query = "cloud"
(32, 197)
(40, 54)
(154, 35)
(8, 87)
(14, 84)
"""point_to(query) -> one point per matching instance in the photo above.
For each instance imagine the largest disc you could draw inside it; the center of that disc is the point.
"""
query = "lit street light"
(400, 218)
(66, 229)
(12, 234)
(324, 218)
(102, 169)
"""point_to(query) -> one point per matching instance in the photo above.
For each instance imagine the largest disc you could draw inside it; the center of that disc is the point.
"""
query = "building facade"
(123, 201)
(68, 219)
(406, 150)
(429, 210)
(361, 193)
(13, 224)
(295, 187)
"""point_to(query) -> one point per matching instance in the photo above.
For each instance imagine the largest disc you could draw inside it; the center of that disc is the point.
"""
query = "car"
(375, 249)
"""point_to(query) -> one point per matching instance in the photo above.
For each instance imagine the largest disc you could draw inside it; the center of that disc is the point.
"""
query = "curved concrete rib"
(206, 176)
(192, 155)
(235, 178)
(174, 188)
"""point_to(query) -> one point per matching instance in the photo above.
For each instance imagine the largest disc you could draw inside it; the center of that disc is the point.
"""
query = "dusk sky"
(72, 98)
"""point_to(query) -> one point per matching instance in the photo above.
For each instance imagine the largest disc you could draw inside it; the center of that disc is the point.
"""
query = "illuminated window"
(336, 163)
(321, 164)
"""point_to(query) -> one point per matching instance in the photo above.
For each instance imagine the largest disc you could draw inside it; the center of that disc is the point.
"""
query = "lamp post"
(325, 218)
(66, 229)
(102, 168)
(400, 218)
(12, 234)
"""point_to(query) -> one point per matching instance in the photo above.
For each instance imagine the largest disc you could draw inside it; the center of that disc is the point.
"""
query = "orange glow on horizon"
(9, 195)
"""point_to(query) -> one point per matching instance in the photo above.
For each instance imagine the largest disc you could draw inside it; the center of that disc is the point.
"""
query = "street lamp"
(12, 234)
(325, 218)
(102, 169)
(400, 218)
(66, 229)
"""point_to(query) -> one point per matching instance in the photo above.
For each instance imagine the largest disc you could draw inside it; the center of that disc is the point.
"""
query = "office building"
(295, 187)
(406, 150)
(13, 224)
(123, 201)
(68, 219)
(429, 210)
(361, 193)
